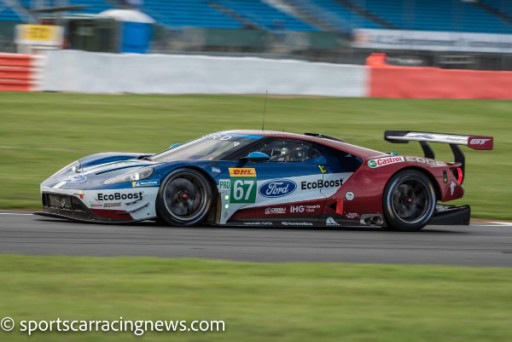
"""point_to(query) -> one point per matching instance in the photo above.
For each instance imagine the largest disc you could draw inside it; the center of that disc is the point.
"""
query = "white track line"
(496, 224)
(508, 224)
(16, 214)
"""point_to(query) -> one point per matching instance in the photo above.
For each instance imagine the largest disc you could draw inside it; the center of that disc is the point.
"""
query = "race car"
(267, 179)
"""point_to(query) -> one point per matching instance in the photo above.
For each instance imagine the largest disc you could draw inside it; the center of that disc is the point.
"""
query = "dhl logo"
(242, 172)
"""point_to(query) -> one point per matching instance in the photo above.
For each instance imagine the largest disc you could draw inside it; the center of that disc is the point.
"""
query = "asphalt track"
(481, 244)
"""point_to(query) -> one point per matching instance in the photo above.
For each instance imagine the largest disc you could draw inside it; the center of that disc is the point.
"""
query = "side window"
(340, 161)
(286, 150)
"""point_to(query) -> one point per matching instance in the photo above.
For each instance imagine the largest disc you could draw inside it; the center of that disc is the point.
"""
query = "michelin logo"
(331, 222)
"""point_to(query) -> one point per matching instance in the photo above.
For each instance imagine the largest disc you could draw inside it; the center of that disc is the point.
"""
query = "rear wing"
(475, 142)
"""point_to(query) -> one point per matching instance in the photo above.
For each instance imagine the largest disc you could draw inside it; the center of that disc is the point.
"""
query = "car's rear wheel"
(409, 201)
(185, 198)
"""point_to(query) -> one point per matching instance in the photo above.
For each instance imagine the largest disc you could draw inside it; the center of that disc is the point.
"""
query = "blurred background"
(455, 34)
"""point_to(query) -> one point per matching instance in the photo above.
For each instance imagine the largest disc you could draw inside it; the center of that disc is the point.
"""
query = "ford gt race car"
(265, 178)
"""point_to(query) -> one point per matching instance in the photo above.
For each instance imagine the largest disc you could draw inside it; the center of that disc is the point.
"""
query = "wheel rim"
(185, 196)
(410, 201)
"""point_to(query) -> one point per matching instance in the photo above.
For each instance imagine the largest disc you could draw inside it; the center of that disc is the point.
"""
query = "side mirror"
(257, 157)
(174, 145)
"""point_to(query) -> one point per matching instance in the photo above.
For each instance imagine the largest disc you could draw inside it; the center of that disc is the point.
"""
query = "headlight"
(74, 167)
(132, 176)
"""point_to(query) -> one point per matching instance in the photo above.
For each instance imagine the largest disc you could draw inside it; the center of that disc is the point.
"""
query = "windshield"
(209, 147)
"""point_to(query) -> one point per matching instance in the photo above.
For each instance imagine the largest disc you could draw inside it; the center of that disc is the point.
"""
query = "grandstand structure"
(485, 16)
(290, 21)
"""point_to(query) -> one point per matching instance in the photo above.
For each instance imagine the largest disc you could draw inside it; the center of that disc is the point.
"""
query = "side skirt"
(324, 221)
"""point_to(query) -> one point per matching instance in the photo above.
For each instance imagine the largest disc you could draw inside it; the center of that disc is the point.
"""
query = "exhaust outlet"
(377, 220)
(372, 220)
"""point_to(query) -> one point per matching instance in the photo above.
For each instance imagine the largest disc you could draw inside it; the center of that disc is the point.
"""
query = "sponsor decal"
(421, 136)
(143, 183)
(322, 168)
(352, 216)
(222, 137)
(299, 224)
(216, 170)
(242, 172)
(457, 139)
(112, 205)
(224, 184)
(304, 208)
(81, 194)
(277, 188)
(478, 141)
(120, 196)
(349, 196)
(428, 161)
(257, 223)
(297, 209)
(374, 163)
(275, 211)
(452, 188)
(75, 179)
(331, 222)
(96, 205)
(320, 183)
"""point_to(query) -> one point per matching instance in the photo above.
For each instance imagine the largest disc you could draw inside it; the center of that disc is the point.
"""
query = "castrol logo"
(374, 163)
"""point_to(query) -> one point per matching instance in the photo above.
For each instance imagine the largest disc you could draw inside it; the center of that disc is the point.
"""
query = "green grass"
(41, 132)
(260, 302)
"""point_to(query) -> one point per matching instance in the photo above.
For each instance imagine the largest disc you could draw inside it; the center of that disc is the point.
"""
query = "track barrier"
(19, 72)
(432, 83)
(89, 72)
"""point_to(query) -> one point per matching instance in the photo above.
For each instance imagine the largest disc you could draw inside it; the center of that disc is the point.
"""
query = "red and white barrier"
(19, 72)
(434, 83)
(89, 72)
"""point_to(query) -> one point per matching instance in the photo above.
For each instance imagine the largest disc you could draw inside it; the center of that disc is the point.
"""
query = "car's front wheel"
(184, 198)
(409, 201)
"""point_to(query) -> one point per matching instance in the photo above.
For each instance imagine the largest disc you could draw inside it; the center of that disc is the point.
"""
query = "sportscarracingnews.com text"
(121, 325)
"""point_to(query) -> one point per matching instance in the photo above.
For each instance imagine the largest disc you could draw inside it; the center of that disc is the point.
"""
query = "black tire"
(409, 201)
(184, 198)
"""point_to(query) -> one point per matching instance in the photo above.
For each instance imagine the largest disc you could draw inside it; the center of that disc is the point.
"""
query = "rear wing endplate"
(475, 142)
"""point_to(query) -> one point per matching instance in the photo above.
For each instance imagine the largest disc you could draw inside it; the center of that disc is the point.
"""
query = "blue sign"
(277, 188)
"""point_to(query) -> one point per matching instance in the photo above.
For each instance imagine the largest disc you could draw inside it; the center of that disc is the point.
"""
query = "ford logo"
(277, 188)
